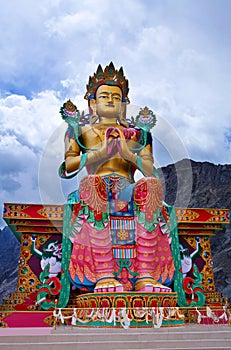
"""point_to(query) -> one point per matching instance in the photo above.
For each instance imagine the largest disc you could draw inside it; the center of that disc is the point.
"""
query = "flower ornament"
(145, 119)
(69, 112)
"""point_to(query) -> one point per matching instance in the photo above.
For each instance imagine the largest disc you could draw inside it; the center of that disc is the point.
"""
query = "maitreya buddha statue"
(119, 228)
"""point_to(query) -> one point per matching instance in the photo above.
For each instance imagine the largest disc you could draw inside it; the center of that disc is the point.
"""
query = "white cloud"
(157, 42)
(25, 127)
(177, 60)
(30, 120)
(68, 24)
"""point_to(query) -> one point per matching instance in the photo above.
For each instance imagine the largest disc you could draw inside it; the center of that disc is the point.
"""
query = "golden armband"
(70, 153)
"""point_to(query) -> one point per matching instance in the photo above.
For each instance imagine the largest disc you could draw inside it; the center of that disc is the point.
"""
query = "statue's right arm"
(73, 155)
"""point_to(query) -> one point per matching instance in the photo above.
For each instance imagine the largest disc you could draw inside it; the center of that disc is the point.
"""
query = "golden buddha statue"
(120, 235)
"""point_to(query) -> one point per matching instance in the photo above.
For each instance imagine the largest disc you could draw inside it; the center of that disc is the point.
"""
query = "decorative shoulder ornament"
(146, 119)
(108, 76)
(70, 113)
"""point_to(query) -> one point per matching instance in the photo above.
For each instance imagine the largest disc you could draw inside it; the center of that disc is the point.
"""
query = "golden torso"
(93, 137)
(108, 107)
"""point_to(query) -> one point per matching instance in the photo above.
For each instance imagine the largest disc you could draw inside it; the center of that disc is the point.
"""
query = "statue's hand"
(103, 150)
(108, 148)
(112, 135)
(122, 146)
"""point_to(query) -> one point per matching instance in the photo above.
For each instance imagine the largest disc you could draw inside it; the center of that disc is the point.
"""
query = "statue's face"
(108, 101)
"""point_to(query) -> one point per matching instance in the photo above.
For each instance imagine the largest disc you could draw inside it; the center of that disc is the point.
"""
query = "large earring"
(94, 117)
(122, 116)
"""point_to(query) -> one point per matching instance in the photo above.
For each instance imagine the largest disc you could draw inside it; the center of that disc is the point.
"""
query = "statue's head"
(105, 87)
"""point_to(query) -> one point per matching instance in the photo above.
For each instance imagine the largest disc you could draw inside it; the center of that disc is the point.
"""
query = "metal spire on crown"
(108, 76)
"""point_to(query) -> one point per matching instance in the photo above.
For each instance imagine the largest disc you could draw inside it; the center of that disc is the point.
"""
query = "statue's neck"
(108, 121)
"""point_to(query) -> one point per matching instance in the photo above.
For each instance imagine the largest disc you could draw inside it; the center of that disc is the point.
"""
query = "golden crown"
(108, 76)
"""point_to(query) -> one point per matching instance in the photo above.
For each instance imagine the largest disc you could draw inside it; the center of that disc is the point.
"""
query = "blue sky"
(175, 53)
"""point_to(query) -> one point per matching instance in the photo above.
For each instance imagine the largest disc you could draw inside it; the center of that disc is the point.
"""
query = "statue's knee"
(91, 178)
(91, 189)
(91, 181)
(146, 188)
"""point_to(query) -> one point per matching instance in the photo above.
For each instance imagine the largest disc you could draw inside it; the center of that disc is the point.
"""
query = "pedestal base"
(126, 309)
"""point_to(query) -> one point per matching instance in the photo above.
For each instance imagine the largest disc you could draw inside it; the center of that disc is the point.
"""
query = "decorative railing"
(154, 317)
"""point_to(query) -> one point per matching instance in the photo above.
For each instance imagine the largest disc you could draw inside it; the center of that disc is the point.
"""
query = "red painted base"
(17, 319)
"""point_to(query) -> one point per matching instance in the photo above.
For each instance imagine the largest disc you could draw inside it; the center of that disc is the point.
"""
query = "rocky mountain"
(9, 252)
(186, 184)
(204, 185)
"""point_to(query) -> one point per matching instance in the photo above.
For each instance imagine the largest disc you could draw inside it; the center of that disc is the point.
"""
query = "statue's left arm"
(146, 160)
(142, 159)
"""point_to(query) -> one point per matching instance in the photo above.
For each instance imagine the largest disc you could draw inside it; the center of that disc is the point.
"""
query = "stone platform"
(189, 337)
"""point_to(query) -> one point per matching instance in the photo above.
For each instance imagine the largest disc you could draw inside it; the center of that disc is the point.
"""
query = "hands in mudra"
(115, 141)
